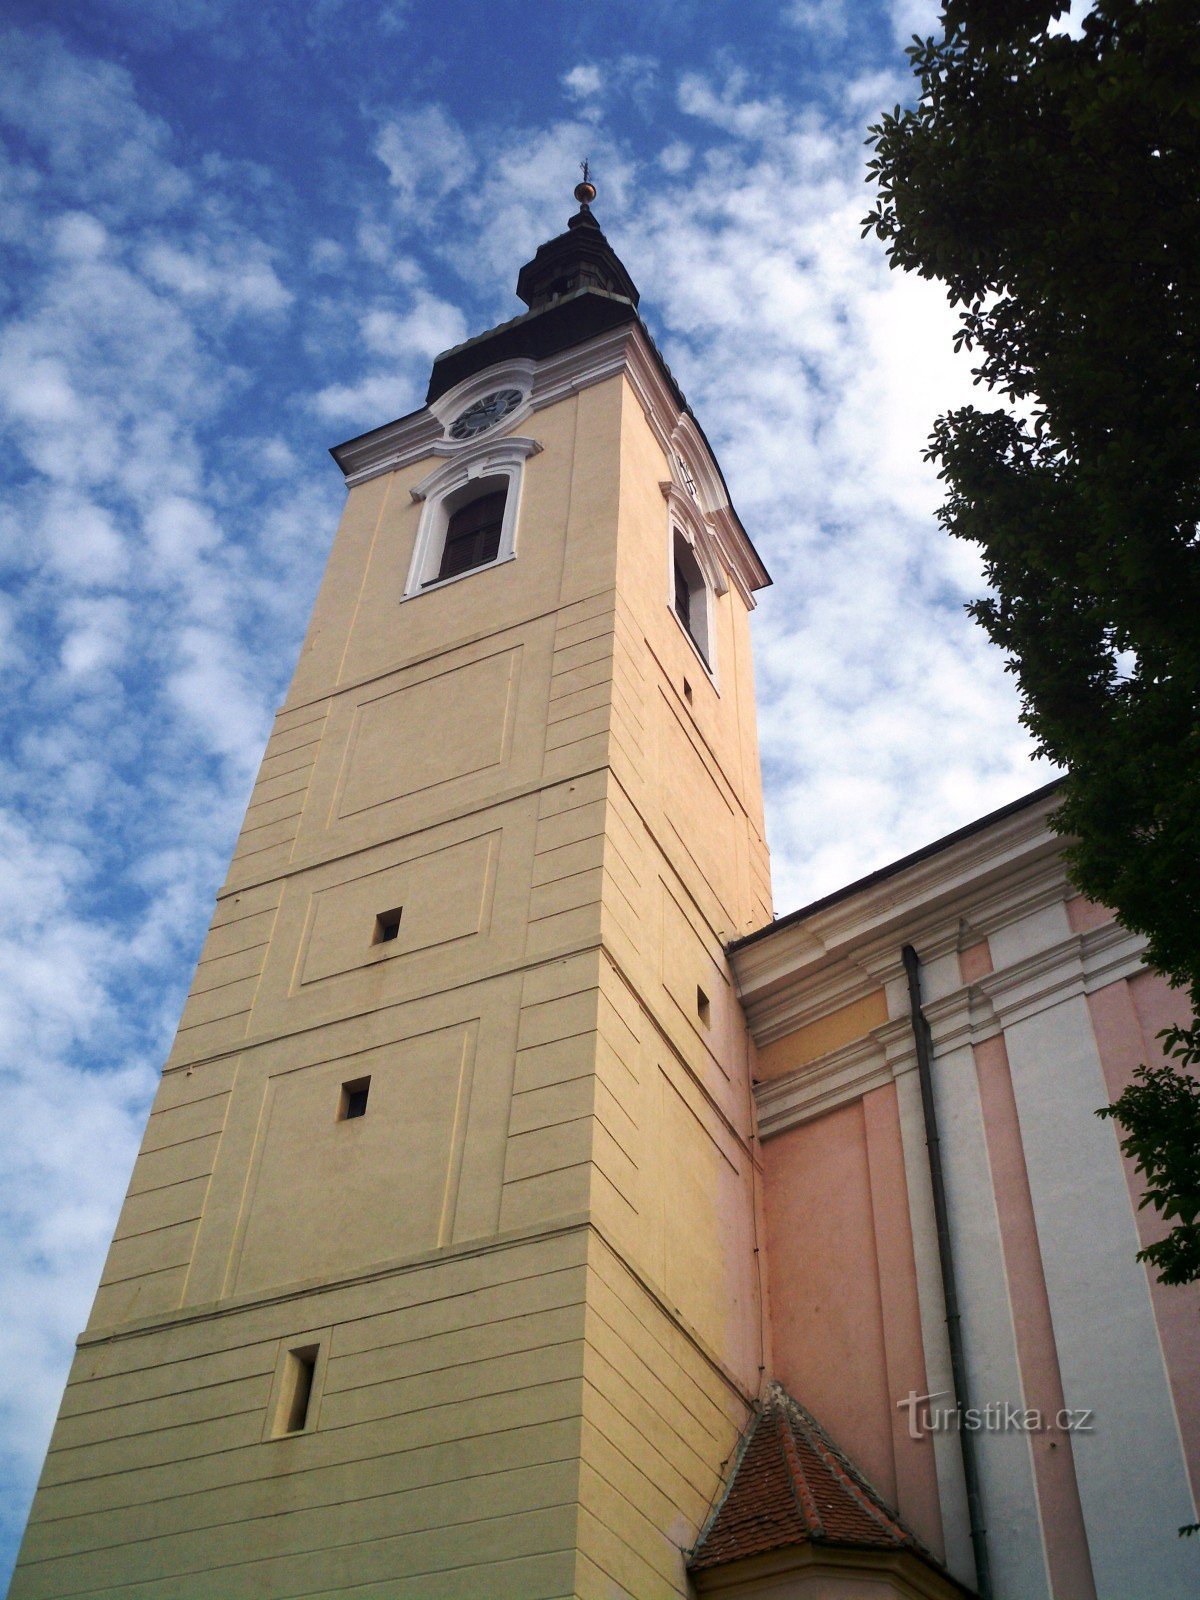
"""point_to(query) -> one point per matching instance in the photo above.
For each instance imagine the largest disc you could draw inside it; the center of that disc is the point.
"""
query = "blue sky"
(234, 235)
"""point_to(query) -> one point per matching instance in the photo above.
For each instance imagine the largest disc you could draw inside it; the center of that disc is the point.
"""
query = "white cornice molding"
(795, 1005)
(1078, 965)
(961, 1019)
(991, 878)
(389, 448)
(625, 349)
(818, 1086)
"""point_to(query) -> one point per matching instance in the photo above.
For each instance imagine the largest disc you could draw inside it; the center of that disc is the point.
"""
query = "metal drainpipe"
(958, 1365)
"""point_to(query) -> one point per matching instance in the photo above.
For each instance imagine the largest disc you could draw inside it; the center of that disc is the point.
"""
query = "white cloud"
(381, 396)
(406, 341)
(273, 456)
(225, 272)
(84, 116)
(633, 75)
(915, 17)
(729, 108)
(824, 17)
(327, 255)
(80, 236)
(178, 530)
(428, 326)
(427, 157)
(35, 388)
(98, 632)
(583, 81)
(215, 688)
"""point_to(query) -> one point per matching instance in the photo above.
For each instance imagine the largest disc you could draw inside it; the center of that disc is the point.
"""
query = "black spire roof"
(581, 258)
(575, 288)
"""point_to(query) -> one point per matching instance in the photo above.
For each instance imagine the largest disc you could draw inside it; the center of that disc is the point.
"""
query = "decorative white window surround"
(687, 522)
(625, 350)
(483, 464)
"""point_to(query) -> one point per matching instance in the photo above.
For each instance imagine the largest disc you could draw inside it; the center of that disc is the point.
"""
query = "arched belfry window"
(473, 529)
(691, 596)
(470, 507)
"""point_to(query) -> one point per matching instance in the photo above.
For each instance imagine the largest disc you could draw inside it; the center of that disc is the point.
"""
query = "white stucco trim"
(994, 878)
(625, 350)
(818, 1086)
(479, 461)
(517, 374)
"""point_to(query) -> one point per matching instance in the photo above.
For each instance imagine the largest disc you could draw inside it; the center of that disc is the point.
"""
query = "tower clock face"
(485, 413)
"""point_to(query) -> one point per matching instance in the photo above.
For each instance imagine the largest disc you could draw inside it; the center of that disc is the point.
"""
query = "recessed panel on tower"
(436, 899)
(429, 733)
(330, 1194)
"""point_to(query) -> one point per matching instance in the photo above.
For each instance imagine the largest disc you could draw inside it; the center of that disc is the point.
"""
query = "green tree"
(1050, 181)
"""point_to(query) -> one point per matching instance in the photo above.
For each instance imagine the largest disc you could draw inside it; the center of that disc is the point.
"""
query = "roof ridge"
(801, 1488)
(844, 1470)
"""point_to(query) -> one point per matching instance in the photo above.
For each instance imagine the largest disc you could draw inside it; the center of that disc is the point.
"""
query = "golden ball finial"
(585, 192)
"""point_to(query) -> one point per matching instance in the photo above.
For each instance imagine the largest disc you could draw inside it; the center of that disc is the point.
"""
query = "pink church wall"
(842, 1272)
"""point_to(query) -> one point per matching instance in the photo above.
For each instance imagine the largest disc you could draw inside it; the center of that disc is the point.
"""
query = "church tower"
(437, 1274)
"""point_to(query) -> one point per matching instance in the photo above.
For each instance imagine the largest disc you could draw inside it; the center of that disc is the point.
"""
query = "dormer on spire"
(581, 258)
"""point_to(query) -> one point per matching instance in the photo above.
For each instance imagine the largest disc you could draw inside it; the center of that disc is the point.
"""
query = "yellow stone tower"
(437, 1274)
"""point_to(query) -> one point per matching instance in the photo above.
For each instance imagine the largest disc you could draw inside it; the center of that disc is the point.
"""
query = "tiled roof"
(791, 1485)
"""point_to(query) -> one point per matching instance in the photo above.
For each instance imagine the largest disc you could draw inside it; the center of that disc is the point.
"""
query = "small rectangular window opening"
(353, 1102)
(687, 691)
(297, 1388)
(703, 1009)
(387, 926)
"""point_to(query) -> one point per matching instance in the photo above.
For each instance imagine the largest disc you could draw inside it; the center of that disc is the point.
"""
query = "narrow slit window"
(473, 535)
(703, 1008)
(687, 691)
(353, 1101)
(299, 1367)
(387, 926)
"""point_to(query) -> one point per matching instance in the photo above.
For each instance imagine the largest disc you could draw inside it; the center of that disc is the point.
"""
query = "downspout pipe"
(958, 1365)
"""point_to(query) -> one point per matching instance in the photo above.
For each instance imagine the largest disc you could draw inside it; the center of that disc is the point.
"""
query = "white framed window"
(695, 577)
(690, 597)
(469, 514)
